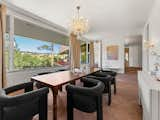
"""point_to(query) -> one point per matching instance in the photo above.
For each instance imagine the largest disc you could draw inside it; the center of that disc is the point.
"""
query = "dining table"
(56, 80)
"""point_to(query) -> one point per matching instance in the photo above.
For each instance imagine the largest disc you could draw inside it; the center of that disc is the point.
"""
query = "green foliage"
(83, 53)
(29, 60)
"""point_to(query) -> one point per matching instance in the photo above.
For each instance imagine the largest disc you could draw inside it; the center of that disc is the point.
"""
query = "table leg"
(73, 82)
(55, 93)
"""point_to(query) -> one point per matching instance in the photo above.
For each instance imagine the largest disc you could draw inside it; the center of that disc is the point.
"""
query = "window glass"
(61, 55)
(83, 53)
(31, 53)
(34, 47)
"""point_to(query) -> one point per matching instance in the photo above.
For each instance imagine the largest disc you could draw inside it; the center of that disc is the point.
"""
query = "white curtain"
(92, 54)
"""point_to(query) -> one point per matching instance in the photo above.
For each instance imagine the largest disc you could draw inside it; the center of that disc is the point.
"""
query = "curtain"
(2, 58)
(75, 51)
(91, 54)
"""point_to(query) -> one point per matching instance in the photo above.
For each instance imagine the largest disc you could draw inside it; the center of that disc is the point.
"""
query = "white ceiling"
(106, 17)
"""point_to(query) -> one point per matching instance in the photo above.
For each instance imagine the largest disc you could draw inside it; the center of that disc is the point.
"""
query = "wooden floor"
(124, 104)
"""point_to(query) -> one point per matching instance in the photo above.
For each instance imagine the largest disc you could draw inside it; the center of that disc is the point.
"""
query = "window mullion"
(11, 43)
(52, 53)
(87, 52)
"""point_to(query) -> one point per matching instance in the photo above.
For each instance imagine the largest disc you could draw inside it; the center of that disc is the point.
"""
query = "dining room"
(66, 60)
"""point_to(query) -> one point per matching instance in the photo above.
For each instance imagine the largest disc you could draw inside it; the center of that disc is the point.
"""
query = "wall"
(154, 35)
(22, 76)
(113, 63)
(134, 43)
(97, 55)
(135, 56)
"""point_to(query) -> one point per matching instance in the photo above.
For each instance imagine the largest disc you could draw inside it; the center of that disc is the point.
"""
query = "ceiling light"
(79, 24)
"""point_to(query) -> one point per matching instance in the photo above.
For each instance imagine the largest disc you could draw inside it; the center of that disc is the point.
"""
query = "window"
(7, 50)
(31, 53)
(83, 54)
(7, 44)
(61, 55)
(32, 46)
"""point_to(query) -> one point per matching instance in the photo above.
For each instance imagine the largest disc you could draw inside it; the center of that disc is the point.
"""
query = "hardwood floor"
(124, 104)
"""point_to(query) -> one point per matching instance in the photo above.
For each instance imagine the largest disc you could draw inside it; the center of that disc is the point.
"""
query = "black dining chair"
(107, 82)
(104, 73)
(85, 99)
(23, 106)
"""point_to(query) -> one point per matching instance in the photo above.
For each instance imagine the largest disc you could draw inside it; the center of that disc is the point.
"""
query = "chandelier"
(79, 24)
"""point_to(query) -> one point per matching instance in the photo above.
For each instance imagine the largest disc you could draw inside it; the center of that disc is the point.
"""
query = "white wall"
(113, 63)
(97, 53)
(135, 56)
(134, 43)
(154, 35)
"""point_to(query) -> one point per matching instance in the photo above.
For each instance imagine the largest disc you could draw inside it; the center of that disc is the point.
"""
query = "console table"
(149, 96)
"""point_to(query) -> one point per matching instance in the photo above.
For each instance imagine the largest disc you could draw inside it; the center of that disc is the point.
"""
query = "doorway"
(126, 59)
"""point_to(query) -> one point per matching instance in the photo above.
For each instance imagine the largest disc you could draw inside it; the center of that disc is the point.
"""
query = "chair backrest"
(24, 106)
(43, 73)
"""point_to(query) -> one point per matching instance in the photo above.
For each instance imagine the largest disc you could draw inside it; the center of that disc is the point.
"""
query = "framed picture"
(112, 52)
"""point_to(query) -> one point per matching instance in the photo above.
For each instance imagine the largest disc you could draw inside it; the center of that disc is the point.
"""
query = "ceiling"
(106, 17)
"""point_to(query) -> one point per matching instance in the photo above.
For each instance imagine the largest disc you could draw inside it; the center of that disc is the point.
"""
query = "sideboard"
(149, 95)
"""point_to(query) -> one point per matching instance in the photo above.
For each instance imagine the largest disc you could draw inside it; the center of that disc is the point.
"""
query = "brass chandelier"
(79, 24)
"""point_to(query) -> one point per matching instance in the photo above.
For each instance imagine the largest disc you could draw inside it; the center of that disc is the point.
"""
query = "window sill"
(40, 68)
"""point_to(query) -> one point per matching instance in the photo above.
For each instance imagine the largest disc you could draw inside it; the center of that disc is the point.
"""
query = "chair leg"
(73, 83)
(99, 109)
(109, 94)
(69, 108)
(115, 88)
(61, 88)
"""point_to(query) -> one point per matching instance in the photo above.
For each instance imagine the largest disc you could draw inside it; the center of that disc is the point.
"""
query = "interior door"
(126, 58)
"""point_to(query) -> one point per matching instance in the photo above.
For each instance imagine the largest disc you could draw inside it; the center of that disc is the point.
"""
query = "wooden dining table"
(57, 79)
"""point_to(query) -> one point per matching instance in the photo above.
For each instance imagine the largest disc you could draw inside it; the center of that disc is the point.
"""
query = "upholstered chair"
(86, 99)
(107, 82)
(104, 73)
(23, 106)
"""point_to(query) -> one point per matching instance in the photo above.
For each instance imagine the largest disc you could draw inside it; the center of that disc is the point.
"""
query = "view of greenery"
(25, 59)
(83, 53)
(30, 60)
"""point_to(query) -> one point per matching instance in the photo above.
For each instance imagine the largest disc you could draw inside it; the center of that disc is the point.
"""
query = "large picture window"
(28, 54)
(32, 47)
